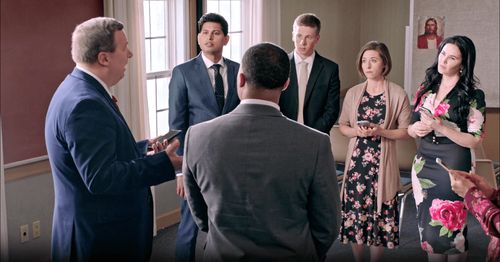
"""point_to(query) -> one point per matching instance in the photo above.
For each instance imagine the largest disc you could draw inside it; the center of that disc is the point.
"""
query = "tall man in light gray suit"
(263, 186)
(200, 90)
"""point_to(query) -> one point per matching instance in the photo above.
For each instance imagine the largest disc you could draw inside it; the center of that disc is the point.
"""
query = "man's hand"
(180, 186)
(171, 149)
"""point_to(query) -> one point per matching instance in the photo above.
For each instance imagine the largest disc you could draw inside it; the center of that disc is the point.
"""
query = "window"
(231, 11)
(165, 46)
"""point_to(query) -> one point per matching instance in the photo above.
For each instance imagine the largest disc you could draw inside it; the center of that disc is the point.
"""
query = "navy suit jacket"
(192, 97)
(321, 103)
(103, 204)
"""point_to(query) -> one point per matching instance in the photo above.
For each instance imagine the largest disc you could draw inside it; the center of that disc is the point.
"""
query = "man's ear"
(285, 86)
(241, 80)
(102, 58)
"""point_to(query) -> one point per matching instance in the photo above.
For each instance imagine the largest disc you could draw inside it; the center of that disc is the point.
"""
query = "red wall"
(35, 58)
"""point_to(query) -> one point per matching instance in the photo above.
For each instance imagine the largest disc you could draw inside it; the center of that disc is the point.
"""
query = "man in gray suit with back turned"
(261, 185)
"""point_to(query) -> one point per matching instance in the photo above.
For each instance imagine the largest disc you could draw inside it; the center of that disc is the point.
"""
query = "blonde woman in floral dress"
(452, 126)
(369, 204)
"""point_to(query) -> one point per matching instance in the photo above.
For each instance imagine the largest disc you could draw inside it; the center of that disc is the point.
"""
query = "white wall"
(349, 24)
(479, 20)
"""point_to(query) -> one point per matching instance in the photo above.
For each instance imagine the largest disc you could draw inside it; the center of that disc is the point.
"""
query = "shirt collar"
(209, 63)
(260, 102)
(309, 60)
(96, 78)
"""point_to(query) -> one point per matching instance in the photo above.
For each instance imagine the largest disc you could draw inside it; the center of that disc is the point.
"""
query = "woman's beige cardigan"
(397, 116)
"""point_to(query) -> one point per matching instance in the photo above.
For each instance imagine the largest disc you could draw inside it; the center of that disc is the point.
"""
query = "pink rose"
(429, 101)
(451, 214)
(368, 157)
(475, 120)
(441, 109)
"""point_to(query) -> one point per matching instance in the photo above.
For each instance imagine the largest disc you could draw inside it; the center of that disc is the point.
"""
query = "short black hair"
(266, 66)
(213, 17)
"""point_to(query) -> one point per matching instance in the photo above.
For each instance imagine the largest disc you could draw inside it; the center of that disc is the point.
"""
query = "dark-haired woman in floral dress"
(371, 181)
(449, 117)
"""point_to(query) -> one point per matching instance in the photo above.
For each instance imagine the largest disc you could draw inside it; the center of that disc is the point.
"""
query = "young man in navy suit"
(201, 89)
(103, 207)
(312, 98)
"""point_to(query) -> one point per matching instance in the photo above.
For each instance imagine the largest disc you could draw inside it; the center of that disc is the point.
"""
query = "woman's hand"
(421, 129)
(363, 131)
(434, 123)
(376, 130)
(462, 181)
(459, 182)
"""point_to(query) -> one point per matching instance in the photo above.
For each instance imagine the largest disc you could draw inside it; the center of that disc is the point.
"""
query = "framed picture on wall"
(430, 31)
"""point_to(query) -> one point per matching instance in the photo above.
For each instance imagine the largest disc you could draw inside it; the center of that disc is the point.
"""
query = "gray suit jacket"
(263, 187)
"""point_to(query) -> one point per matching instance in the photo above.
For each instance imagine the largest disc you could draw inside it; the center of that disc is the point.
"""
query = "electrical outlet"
(36, 229)
(24, 233)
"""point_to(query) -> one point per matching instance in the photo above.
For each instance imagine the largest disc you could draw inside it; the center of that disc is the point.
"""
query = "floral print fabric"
(361, 223)
(441, 213)
(445, 111)
(487, 212)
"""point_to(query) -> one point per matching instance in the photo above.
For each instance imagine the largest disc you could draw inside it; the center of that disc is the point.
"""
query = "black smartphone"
(169, 135)
(426, 111)
(363, 123)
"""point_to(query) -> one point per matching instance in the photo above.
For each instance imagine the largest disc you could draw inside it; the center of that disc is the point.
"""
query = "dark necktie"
(115, 101)
(219, 87)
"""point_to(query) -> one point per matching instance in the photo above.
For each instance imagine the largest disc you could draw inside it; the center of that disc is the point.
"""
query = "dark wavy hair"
(466, 85)
(215, 18)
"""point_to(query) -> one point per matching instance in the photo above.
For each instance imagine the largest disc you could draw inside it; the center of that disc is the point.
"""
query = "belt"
(437, 139)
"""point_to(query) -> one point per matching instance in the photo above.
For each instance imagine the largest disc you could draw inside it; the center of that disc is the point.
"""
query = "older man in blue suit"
(103, 205)
(200, 90)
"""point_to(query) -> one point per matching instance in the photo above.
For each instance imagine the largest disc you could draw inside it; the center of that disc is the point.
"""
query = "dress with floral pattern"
(441, 213)
(361, 223)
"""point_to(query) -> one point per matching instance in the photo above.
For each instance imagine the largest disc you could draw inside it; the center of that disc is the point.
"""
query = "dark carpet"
(409, 247)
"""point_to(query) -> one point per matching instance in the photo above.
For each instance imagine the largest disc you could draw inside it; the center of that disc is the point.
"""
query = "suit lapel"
(293, 87)
(231, 89)
(313, 77)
